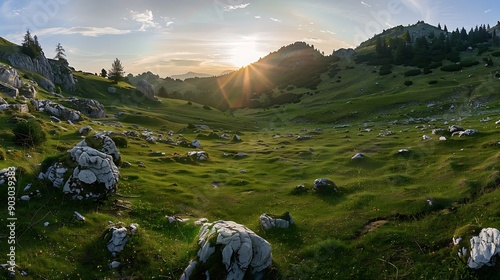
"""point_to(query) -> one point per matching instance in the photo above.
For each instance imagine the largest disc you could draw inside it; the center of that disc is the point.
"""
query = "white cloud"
(84, 31)
(366, 4)
(487, 11)
(275, 20)
(145, 19)
(257, 17)
(235, 7)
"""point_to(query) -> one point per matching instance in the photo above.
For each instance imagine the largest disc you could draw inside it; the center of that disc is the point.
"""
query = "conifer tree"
(60, 53)
(116, 72)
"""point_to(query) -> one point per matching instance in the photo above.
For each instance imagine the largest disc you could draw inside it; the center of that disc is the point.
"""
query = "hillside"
(403, 208)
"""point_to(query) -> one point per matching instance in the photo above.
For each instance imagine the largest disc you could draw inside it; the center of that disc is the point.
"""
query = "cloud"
(186, 62)
(366, 4)
(84, 31)
(487, 11)
(229, 8)
(257, 17)
(145, 19)
(276, 20)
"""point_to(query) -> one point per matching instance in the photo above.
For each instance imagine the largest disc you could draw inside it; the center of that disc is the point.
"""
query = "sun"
(242, 54)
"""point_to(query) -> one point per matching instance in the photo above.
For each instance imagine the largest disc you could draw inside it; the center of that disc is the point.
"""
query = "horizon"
(211, 37)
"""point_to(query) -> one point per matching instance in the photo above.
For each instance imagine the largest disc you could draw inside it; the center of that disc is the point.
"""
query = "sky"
(170, 37)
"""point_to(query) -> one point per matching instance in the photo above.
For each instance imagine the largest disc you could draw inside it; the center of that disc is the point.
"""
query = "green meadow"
(394, 216)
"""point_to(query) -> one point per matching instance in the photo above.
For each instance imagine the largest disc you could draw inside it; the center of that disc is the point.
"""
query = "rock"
(46, 224)
(497, 122)
(304, 137)
(236, 138)
(104, 143)
(230, 250)
(9, 90)
(200, 221)
(10, 76)
(21, 108)
(484, 247)
(467, 132)
(157, 154)
(426, 137)
(403, 151)
(57, 110)
(175, 219)
(55, 174)
(442, 138)
(438, 131)
(114, 264)
(3, 102)
(196, 144)
(79, 216)
(111, 90)
(25, 197)
(299, 189)
(198, 155)
(324, 185)
(455, 128)
(119, 237)
(85, 130)
(269, 221)
(358, 156)
(55, 119)
(146, 89)
(28, 91)
(89, 107)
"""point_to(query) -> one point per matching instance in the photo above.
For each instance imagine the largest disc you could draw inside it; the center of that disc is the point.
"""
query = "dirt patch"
(371, 226)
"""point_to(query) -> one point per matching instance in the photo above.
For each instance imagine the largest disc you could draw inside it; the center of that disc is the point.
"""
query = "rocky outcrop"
(28, 91)
(8, 90)
(89, 107)
(146, 89)
(118, 237)
(57, 110)
(344, 53)
(93, 173)
(10, 76)
(53, 71)
(484, 247)
(230, 250)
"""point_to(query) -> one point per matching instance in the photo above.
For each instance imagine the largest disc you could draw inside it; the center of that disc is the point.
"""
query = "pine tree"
(445, 29)
(31, 46)
(104, 73)
(116, 72)
(60, 55)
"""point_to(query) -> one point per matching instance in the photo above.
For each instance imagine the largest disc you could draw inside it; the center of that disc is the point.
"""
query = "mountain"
(190, 75)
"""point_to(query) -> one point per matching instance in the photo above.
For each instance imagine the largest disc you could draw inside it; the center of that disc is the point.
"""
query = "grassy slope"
(336, 236)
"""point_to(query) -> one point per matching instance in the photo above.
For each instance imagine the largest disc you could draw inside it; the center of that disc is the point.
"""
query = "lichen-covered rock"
(8, 90)
(89, 107)
(455, 128)
(102, 142)
(269, 221)
(57, 110)
(28, 91)
(467, 132)
(484, 247)
(55, 174)
(198, 155)
(85, 130)
(229, 251)
(324, 185)
(358, 156)
(10, 76)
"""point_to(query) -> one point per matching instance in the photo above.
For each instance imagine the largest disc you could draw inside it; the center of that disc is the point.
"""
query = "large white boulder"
(146, 89)
(244, 253)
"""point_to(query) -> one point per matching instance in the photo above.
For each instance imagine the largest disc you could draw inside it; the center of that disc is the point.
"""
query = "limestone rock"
(57, 110)
(484, 247)
(21, 108)
(89, 107)
(324, 185)
(269, 221)
(196, 144)
(103, 143)
(455, 128)
(146, 89)
(10, 76)
(8, 90)
(198, 155)
(244, 253)
(118, 237)
(28, 91)
(467, 132)
(358, 156)
(85, 130)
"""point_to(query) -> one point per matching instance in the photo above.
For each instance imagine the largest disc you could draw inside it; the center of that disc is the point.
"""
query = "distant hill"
(190, 75)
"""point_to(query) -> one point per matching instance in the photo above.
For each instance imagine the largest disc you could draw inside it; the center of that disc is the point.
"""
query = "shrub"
(408, 83)
(451, 68)
(496, 54)
(469, 63)
(433, 82)
(413, 72)
(120, 141)
(435, 65)
(2, 154)
(29, 134)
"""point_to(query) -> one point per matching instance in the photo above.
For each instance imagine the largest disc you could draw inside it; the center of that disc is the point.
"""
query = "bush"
(435, 65)
(469, 63)
(496, 54)
(29, 134)
(413, 72)
(2, 154)
(433, 82)
(120, 141)
(451, 68)
(408, 83)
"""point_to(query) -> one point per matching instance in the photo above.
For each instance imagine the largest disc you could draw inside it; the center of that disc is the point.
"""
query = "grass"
(379, 225)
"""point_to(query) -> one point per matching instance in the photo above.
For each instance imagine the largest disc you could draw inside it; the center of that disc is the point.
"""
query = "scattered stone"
(27, 188)
(55, 119)
(198, 155)
(196, 144)
(324, 185)
(56, 110)
(299, 189)
(119, 237)
(486, 119)
(358, 156)
(111, 90)
(438, 131)
(25, 197)
(114, 264)
(497, 122)
(157, 154)
(79, 216)
(175, 219)
(28, 91)
(304, 137)
(455, 128)
(467, 132)
(442, 138)
(85, 130)
(236, 138)
(201, 221)
(230, 250)
(46, 224)
(484, 247)
(426, 137)
(269, 221)
(403, 151)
